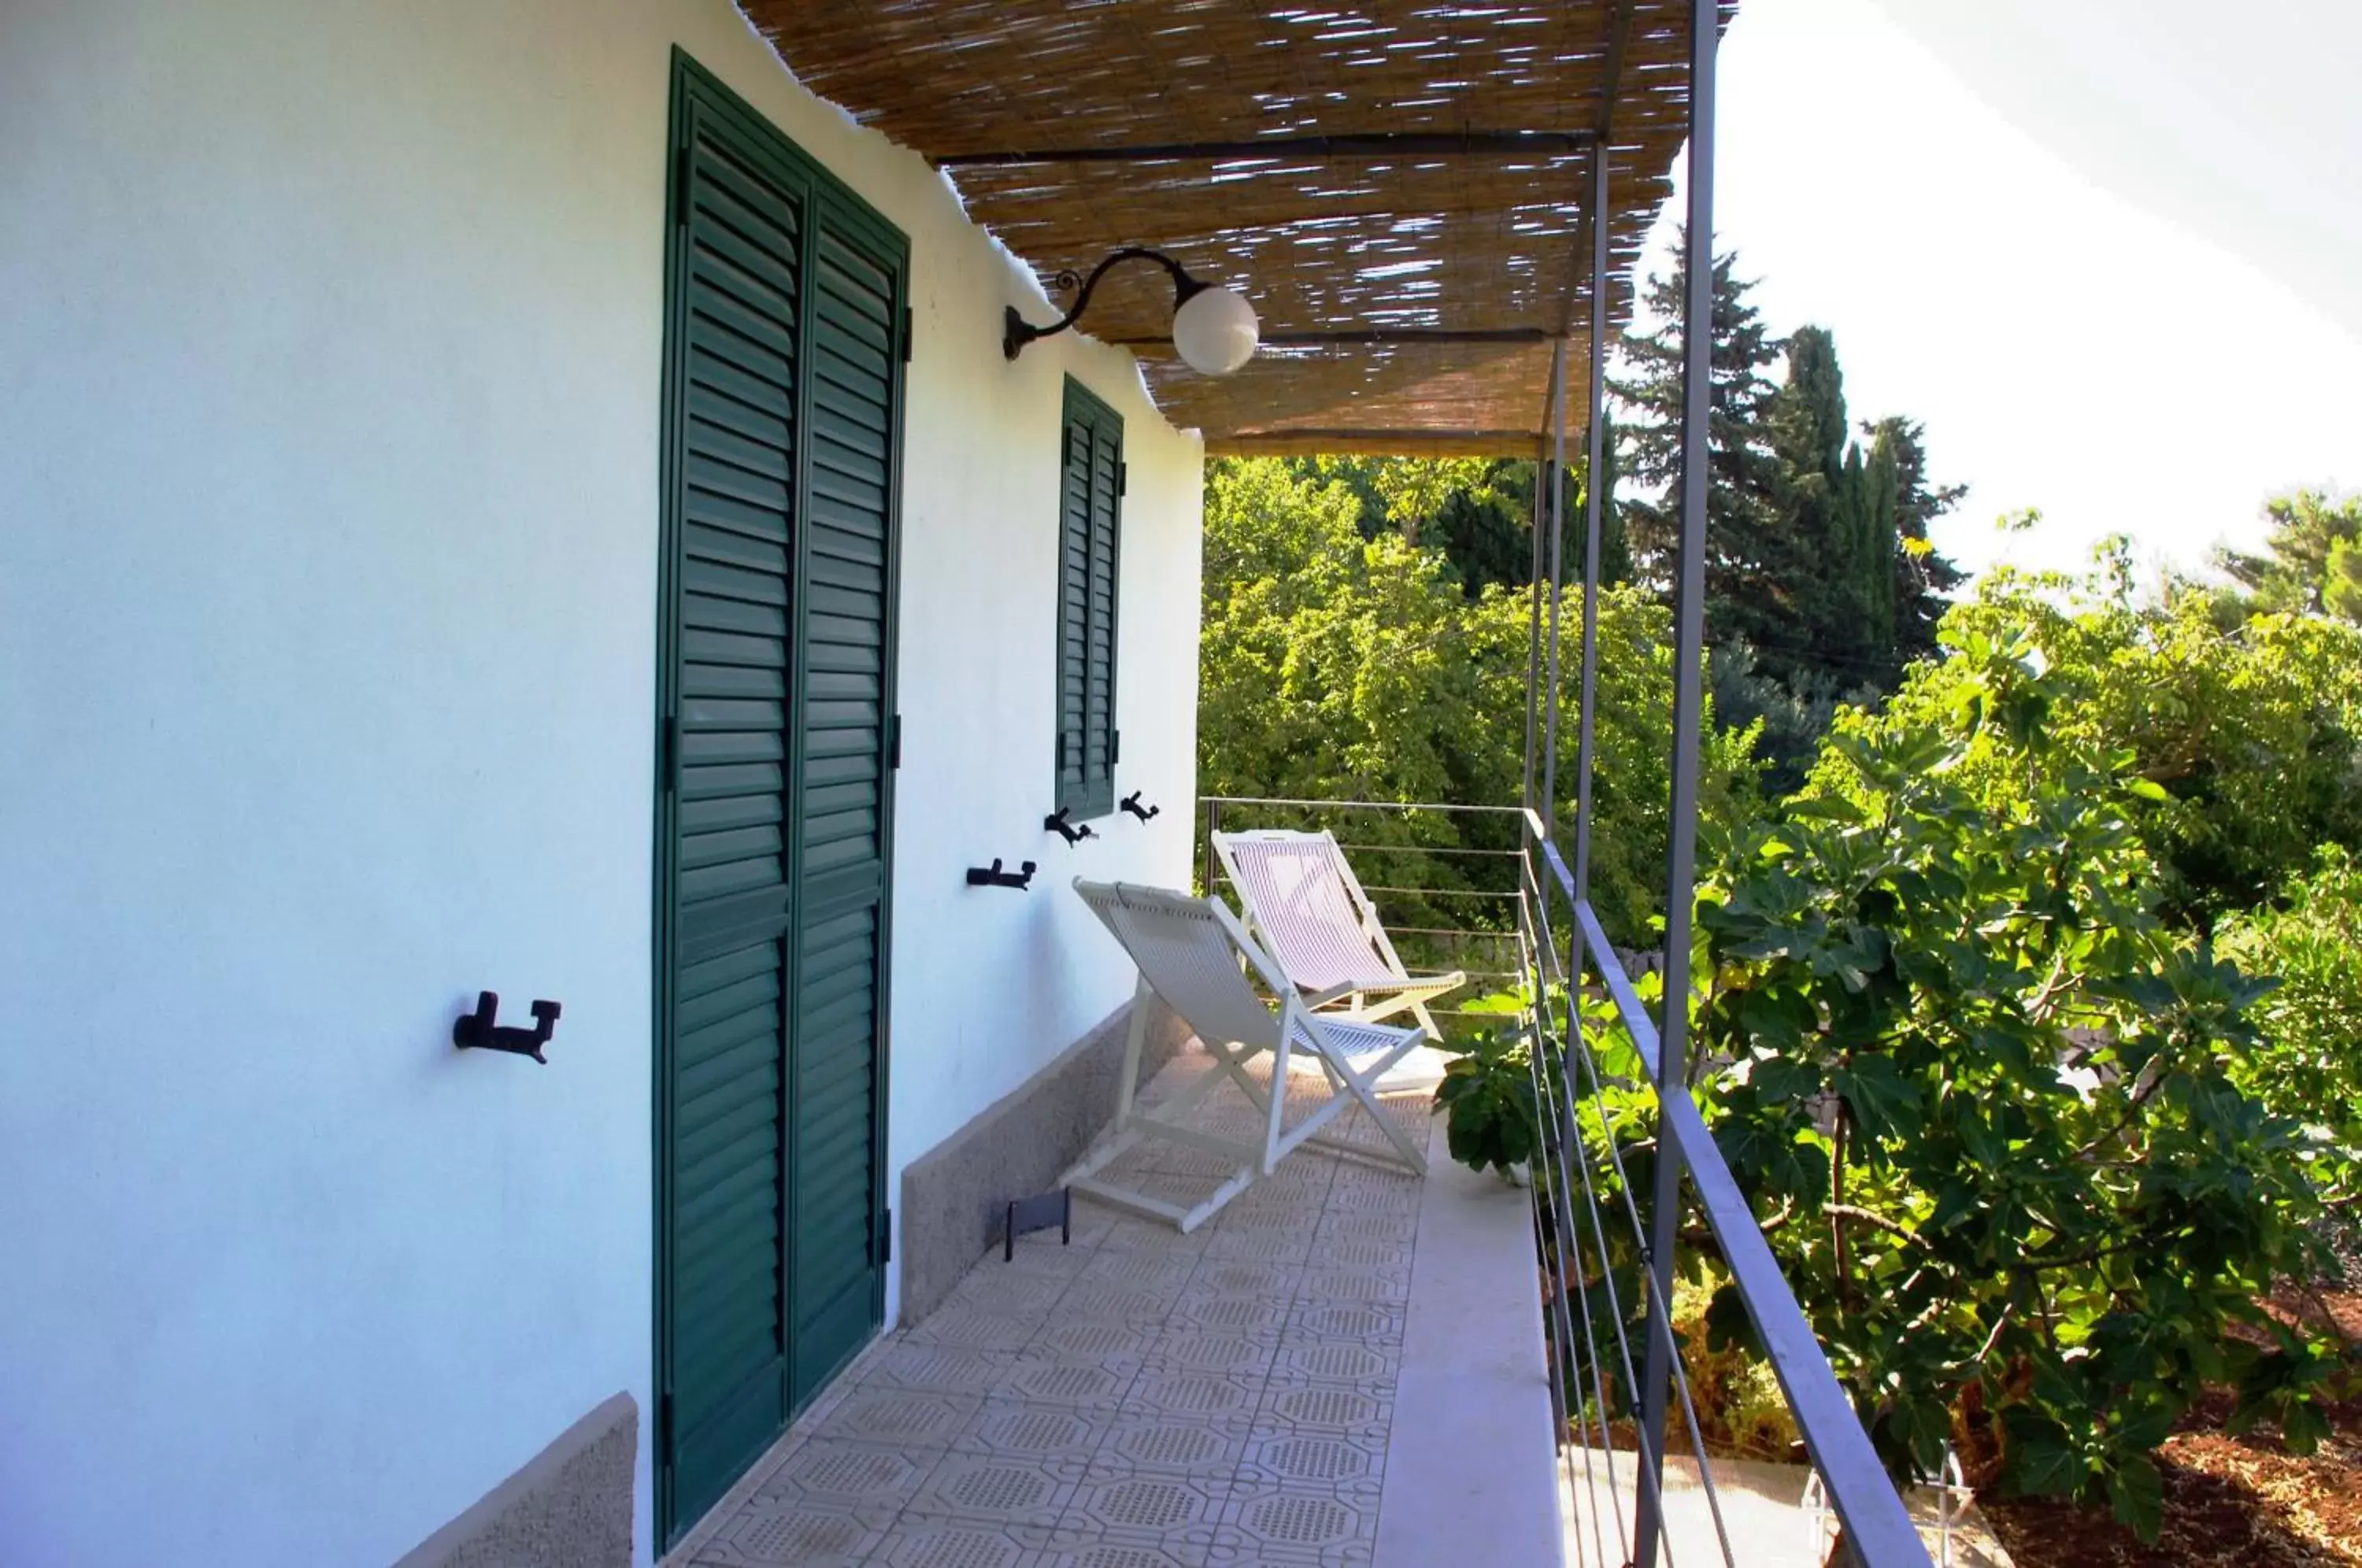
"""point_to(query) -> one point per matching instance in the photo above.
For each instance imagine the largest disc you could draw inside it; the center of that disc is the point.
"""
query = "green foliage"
(2341, 586)
(1336, 667)
(1790, 715)
(1405, 494)
(2035, 1102)
(1741, 1406)
(2312, 560)
(1633, 740)
(1492, 1119)
(2309, 1066)
(2249, 733)
(1991, 1113)
(1329, 665)
(1479, 513)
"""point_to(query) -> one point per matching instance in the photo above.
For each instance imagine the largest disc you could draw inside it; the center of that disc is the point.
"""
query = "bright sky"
(2109, 251)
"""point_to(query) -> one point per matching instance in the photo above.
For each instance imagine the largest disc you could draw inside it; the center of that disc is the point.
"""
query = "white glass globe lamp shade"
(1216, 330)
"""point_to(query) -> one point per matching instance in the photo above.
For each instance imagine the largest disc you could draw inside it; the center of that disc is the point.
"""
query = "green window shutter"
(841, 816)
(1090, 500)
(783, 411)
(739, 287)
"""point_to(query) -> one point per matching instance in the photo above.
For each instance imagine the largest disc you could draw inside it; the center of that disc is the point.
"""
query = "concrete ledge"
(1762, 1510)
(571, 1507)
(954, 1196)
(1472, 1472)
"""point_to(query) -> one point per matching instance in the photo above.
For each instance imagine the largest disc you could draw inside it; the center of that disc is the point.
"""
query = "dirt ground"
(2228, 1500)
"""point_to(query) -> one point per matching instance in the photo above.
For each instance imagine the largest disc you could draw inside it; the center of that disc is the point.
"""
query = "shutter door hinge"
(1122, 477)
(894, 742)
(910, 333)
(669, 760)
(681, 169)
(1115, 747)
(664, 1429)
(886, 1236)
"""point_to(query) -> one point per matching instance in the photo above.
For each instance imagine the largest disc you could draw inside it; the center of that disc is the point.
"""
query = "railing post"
(1595, 462)
(1689, 647)
(1213, 822)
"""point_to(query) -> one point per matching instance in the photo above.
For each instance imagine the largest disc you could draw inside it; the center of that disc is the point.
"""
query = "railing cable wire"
(1570, 1152)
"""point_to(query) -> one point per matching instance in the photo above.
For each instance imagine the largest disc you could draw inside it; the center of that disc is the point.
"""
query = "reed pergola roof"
(1398, 185)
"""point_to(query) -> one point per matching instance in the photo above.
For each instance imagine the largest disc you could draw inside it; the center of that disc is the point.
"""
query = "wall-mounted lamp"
(1213, 327)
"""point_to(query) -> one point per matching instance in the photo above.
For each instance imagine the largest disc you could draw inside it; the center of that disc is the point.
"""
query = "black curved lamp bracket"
(1017, 332)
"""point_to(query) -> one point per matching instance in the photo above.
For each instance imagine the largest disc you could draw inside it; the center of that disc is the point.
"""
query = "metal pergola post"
(1689, 642)
(1534, 636)
(1594, 504)
(1548, 803)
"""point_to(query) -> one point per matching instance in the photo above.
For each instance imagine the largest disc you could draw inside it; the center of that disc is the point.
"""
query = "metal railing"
(1609, 1315)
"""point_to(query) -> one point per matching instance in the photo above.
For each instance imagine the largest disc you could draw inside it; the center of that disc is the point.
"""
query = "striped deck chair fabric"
(1305, 903)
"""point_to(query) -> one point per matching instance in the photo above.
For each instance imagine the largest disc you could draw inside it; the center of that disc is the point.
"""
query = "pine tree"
(2341, 581)
(1615, 543)
(2308, 562)
(1750, 557)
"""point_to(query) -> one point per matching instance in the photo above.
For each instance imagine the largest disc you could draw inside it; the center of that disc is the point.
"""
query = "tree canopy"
(1996, 1115)
(2252, 731)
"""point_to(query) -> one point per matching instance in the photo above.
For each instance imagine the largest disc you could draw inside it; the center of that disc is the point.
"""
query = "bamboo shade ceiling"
(1348, 253)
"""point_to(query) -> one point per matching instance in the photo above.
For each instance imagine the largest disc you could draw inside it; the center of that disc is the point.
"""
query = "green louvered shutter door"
(843, 815)
(1089, 493)
(738, 300)
(784, 407)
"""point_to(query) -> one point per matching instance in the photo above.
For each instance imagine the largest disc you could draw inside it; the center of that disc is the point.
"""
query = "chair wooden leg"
(1135, 1039)
(1275, 1110)
(1360, 1087)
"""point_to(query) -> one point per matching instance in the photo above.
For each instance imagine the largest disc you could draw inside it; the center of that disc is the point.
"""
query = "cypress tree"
(1923, 580)
(1821, 502)
(1871, 567)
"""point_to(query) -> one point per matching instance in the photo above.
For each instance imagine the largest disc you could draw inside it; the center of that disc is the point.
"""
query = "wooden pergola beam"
(1388, 144)
(1355, 337)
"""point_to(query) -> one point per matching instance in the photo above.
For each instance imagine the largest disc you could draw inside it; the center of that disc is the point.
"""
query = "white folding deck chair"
(1303, 899)
(1189, 951)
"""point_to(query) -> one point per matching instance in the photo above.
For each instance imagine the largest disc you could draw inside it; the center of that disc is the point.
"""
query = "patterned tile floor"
(1138, 1399)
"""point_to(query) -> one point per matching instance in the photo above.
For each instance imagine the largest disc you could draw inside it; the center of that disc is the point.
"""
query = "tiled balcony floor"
(1138, 1399)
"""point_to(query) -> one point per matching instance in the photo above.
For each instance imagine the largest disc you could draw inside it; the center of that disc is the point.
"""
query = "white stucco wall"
(329, 376)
